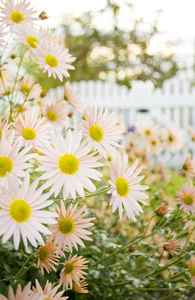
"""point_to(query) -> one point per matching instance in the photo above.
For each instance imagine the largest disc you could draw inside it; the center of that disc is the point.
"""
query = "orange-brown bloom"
(73, 271)
(189, 164)
(71, 226)
(186, 198)
(48, 292)
(192, 270)
(172, 247)
(81, 287)
(47, 257)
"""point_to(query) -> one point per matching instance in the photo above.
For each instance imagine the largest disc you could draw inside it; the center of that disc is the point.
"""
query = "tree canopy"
(116, 52)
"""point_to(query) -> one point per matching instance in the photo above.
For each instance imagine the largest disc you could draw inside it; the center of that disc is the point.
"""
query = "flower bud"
(162, 210)
(70, 114)
(13, 56)
(43, 15)
(43, 93)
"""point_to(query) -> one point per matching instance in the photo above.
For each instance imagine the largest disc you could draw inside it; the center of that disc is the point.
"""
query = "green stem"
(29, 92)
(19, 65)
(131, 243)
(19, 272)
(175, 172)
(24, 271)
(98, 192)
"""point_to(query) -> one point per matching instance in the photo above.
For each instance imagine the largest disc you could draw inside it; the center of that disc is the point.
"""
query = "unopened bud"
(70, 114)
(162, 210)
(43, 93)
(13, 56)
(43, 15)
(7, 93)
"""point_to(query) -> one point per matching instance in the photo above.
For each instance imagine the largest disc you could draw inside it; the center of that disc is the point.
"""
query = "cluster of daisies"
(147, 138)
(43, 161)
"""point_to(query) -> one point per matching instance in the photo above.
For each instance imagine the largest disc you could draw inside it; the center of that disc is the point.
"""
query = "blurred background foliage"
(109, 50)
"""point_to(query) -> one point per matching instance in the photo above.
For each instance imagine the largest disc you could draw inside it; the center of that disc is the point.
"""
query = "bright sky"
(176, 22)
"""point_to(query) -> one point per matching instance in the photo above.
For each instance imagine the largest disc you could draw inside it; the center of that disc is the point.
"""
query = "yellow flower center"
(28, 134)
(68, 267)
(170, 138)
(6, 165)
(25, 89)
(17, 17)
(188, 199)
(51, 61)
(66, 225)
(20, 211)
(47, 298)
(0, 132)
(51, 116)
(96, 133)
(147, 132)
(43, 254)
(68, 164)
(31, 40)
(192, 270)
(153, 143)
(122, 187)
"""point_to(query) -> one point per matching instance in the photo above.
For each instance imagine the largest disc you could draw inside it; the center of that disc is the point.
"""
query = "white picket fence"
(173, 104)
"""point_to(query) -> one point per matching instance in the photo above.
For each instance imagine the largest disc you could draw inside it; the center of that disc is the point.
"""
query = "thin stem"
(24, 271)
(19, 65)
(131, 243)
(19, 272)
(29, 92)
(98, 192)
(175, 172)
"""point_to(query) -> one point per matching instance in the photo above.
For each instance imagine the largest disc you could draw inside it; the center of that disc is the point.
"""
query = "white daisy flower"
(125, 189)
(14, 14)
(56, 113)
(101, 131)
(21, 214)
(31, 129)
(12, 160)
(72, 97)
(173, 138)
(54, 59)
(67, 164)
(2, 34)
(29, 36)
(4, 126)
(70, 229)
